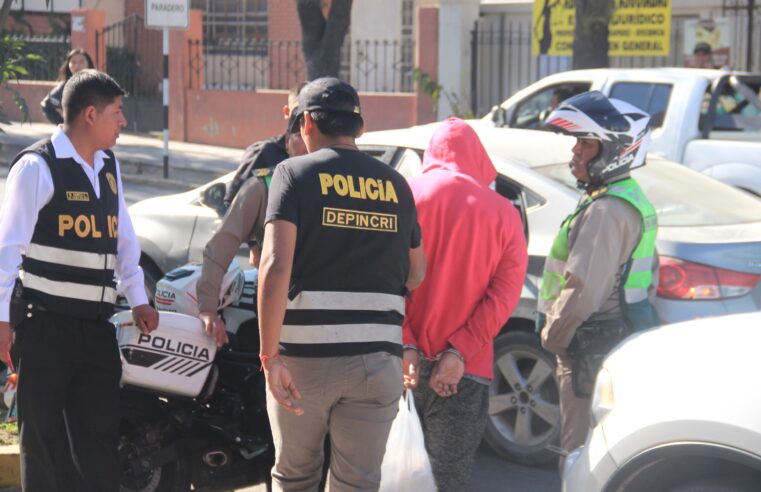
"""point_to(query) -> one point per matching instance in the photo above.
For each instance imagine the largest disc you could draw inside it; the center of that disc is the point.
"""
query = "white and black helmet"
(622, 129)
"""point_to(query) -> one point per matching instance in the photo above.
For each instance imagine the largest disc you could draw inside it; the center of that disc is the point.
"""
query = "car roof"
(674, 73)
(535, 148)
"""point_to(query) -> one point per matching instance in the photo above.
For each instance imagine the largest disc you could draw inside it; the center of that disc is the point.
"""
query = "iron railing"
(236, 64)
(52, 48)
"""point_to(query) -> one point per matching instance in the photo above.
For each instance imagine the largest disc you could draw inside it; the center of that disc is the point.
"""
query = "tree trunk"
(4, 11)
(590, 43)
(322, 37)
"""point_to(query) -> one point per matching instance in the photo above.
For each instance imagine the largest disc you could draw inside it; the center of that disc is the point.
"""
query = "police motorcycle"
(192, 413)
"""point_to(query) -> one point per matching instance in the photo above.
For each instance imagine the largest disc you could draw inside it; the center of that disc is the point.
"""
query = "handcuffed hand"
(214, 326)
(446, 375)
(280, 384)
(410, 368)
(146, 318)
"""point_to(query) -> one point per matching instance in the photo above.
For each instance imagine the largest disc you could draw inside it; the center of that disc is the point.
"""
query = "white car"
(708, 120)
(676, 408)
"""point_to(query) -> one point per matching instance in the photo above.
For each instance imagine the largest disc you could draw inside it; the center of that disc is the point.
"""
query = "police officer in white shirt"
(65, 222)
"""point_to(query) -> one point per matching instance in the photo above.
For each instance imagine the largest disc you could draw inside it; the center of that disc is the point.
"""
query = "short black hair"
(88, 88)
(337, 124)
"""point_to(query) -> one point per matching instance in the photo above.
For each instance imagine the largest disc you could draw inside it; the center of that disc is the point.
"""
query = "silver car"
(709, 244)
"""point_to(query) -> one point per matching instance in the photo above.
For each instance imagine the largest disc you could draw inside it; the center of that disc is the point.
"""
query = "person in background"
(243, 223)
(702, 56)
(264, 153)
(76, 61)
(476, 258)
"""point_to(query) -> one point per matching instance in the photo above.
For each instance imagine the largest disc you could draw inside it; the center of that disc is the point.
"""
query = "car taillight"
(681, 279)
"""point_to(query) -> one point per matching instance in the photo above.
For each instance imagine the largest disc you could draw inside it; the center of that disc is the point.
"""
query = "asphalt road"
(491, 473)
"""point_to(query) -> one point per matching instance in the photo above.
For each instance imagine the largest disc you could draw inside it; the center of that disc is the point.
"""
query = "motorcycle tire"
(174, 476)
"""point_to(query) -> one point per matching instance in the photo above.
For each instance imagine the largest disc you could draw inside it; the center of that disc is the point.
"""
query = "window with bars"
(234, 26)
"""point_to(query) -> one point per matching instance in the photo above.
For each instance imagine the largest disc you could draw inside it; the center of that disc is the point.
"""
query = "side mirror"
(499, 116)
(214, 197)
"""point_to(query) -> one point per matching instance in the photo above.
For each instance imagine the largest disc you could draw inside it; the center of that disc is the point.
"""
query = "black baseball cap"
(329, 94)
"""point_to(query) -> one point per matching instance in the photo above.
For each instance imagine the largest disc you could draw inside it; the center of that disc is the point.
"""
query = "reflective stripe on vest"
(72, 290)
(343, 304)
(79, 259)
(639, 268)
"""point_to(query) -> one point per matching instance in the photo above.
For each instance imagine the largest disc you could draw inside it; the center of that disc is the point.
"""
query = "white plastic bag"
(406, 467)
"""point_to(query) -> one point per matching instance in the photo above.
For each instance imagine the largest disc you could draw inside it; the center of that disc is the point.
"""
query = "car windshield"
(682, 198)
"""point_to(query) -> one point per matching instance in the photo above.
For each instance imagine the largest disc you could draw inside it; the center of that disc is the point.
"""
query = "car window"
(738, 106)
(651, 98)
(383, 153)
(532, 111)
(409, 164)
(682, 198)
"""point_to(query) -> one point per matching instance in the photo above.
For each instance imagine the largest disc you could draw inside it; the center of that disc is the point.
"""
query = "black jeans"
(453, 428)
(68, 403)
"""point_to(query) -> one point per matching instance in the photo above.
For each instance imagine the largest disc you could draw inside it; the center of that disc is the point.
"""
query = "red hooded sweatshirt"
(474, 247)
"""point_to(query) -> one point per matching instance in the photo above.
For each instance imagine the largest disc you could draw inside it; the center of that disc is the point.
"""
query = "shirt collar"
(64, 149)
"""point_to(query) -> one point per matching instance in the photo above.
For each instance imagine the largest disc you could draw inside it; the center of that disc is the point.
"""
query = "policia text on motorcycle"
(65, 221)
(336, 261)
(599, 274)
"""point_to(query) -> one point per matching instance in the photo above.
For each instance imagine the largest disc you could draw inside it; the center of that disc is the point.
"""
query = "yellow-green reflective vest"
(638, 273)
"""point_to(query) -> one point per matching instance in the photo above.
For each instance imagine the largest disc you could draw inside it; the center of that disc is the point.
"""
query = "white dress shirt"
(28, 189)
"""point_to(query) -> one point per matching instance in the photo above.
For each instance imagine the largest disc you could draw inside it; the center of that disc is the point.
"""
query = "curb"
(10, 472)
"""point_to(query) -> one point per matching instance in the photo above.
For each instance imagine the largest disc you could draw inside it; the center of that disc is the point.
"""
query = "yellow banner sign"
(637, 27)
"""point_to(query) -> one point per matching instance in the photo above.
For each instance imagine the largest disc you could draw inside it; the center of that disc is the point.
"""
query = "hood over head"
(456, 147)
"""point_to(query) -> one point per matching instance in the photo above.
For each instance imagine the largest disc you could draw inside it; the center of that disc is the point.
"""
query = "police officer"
(64, 220)
(341, 242)
(599, 273)
(243, 222)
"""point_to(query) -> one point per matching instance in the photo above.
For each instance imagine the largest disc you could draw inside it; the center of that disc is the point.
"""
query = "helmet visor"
(598, 108)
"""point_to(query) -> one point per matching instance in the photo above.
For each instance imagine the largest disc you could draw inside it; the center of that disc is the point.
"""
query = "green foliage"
(8, 433)
(427, 85)
(13, 66)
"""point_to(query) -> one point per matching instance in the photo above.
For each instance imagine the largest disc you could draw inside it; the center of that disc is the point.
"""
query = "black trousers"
(68, 403)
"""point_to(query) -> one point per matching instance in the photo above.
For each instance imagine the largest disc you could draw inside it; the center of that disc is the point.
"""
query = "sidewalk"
(140, 156)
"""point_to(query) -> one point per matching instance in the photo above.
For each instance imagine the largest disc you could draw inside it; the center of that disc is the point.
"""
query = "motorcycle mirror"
(214, 197)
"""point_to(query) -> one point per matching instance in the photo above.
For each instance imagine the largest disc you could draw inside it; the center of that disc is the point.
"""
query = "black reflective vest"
(69, 265)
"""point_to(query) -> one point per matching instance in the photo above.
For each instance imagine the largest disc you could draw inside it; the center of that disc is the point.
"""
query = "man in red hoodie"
(476, 254)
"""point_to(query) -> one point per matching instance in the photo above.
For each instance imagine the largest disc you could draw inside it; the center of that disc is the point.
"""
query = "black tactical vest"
(69, 264)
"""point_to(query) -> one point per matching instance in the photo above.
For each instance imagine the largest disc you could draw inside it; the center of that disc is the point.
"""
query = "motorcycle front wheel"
(172, 476)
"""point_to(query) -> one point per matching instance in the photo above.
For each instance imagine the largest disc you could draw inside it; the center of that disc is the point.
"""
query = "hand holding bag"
(406, 467)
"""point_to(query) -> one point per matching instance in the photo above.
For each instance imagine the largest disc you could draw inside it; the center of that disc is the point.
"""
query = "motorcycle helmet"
(622, 129)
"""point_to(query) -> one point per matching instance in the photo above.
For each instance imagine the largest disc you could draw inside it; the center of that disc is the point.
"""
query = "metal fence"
(52, 48)
(246, 64)
(502, 62)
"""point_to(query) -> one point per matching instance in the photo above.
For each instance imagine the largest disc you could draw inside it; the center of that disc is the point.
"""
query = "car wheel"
(524, 408)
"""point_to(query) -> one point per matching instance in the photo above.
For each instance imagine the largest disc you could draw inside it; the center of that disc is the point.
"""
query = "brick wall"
(237, 119)
(33, 93)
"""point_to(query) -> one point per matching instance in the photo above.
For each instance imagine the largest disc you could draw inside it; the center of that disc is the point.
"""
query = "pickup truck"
(709, 120)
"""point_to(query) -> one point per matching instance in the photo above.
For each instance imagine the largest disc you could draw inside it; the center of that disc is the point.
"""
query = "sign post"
(166, 15)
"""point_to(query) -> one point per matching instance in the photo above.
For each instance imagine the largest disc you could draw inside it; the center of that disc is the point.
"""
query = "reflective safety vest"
(638, 272)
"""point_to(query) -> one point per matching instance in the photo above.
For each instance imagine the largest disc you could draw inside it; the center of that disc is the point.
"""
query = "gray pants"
(453, 428)
(574, 411)
(355, 400)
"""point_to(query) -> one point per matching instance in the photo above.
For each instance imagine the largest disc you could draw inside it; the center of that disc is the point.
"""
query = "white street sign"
(167, 14)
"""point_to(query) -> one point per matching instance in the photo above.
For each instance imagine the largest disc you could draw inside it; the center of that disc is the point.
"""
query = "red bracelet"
(264, 358)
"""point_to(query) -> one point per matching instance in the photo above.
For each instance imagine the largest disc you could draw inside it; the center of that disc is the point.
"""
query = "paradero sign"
(167, 14)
